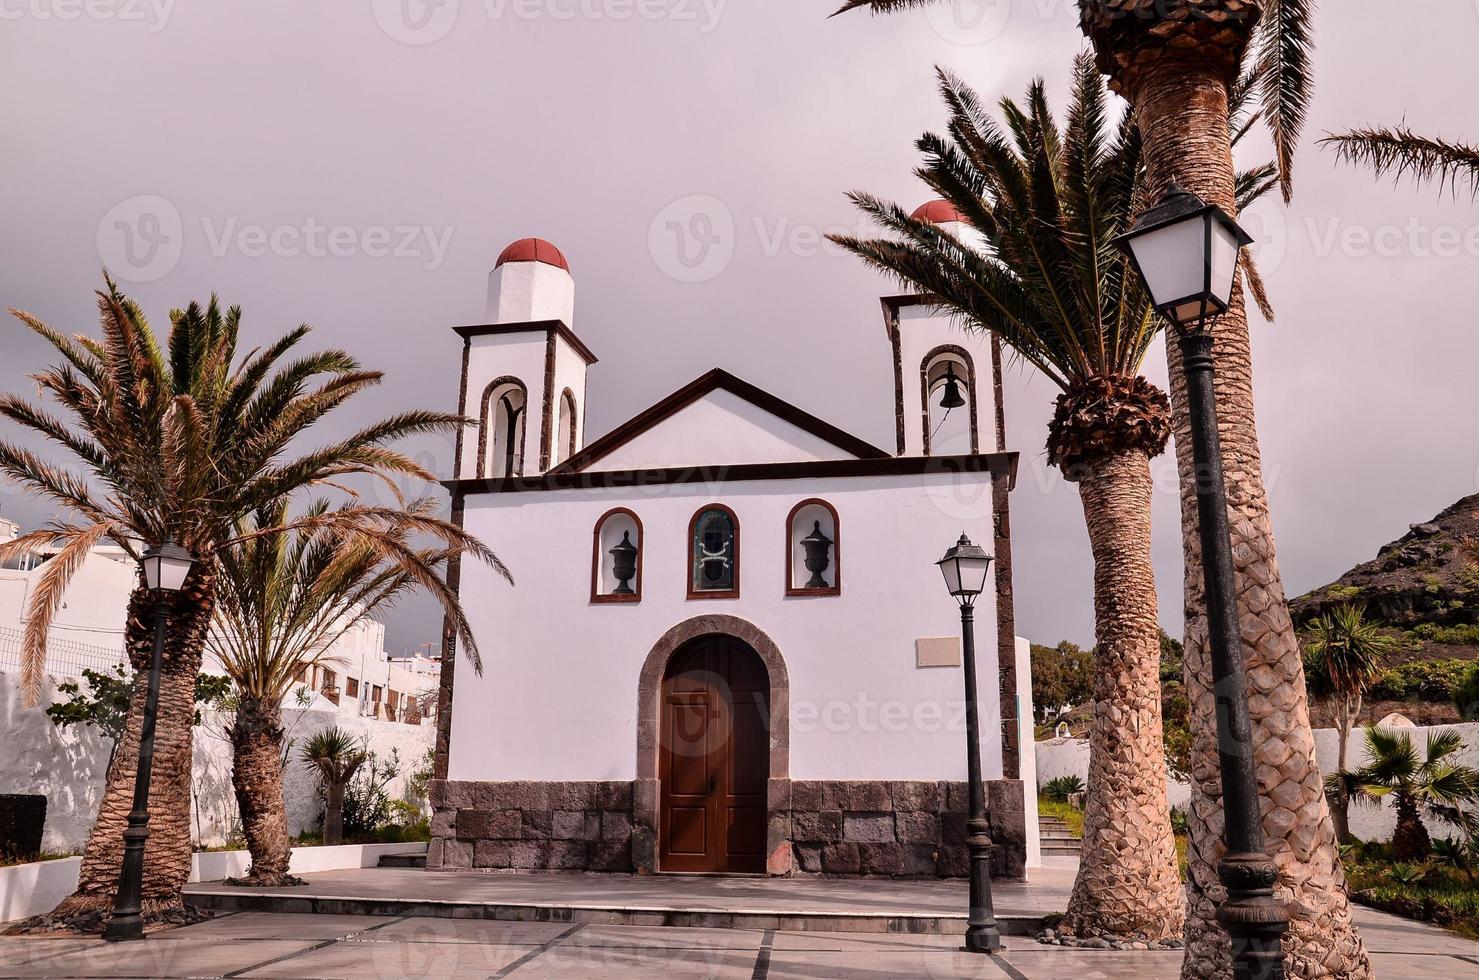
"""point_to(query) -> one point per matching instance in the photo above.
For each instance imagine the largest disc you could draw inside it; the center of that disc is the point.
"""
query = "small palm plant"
(282, 603)
(1348, 652)
(1434, 784)
(1047, 278)
(337, 756)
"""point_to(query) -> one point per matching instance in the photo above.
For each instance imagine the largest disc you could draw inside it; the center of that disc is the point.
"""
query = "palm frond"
(1284, 43)
(881, 6)
(1399, 152)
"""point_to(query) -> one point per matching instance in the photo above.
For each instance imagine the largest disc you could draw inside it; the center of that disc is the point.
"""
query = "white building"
(356, 677)
(671, 686)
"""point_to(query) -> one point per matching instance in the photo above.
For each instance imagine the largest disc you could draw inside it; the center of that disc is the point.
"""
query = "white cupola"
(531, 281)
(523, 369)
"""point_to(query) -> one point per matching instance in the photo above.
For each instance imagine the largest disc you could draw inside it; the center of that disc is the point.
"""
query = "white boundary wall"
(69, 767)
(31, 889)
(1070, 756)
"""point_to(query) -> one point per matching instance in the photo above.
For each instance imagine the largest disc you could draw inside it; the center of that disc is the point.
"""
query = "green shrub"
(1466, 693)
(1420, 680)
(1465, 635)
(1059, 789)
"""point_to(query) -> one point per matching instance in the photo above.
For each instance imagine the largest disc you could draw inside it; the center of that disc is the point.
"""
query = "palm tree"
(1348, 654)
(183, 442)
(1048, 280)
(337, 756)
(282, 602)
(1181, 64)
(1399, 152)
(1435, 785)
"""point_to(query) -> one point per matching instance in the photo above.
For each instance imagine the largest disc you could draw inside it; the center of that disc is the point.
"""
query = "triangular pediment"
(719, 420)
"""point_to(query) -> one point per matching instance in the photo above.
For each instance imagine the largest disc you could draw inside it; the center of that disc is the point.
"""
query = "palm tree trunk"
(1182, 112)
(1410, 841)
(333, 812)
(167, 854)
(1340, 800)
(1128, 884)
(256, 773)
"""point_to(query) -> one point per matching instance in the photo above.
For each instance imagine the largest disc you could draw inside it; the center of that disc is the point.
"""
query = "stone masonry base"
(907, 829)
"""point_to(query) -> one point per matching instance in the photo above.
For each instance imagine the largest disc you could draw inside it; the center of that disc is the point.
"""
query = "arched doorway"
(713, 757)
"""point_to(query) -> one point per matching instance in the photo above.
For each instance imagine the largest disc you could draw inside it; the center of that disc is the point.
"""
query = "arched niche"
(807, 519)
(948, 431)
(565, 426)
(617, 526)
(502, 425)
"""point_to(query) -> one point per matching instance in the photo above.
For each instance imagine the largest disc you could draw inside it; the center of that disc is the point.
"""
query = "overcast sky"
(358, 165)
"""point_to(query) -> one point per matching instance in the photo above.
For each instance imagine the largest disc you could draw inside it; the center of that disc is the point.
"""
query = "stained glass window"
(714, 552)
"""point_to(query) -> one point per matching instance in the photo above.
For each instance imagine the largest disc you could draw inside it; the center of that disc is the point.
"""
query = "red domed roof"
(533, 250)
(937, 212)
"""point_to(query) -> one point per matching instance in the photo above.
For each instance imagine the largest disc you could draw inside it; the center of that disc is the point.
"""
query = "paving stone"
(274, 925)
(184, 957)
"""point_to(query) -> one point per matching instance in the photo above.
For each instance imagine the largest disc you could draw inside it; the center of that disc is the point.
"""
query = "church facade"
(727, 650)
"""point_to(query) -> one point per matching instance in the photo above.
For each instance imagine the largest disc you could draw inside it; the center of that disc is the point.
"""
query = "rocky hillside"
(1425, 587)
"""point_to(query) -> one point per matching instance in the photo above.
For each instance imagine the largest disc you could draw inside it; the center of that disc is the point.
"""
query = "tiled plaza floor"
(262, 944)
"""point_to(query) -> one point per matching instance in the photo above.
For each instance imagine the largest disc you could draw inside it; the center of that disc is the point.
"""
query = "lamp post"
(165, 568)
(1186, 252)
(964, 567)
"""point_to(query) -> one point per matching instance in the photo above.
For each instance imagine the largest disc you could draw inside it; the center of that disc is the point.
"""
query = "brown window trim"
(596, 594)
(733, 593)
(568, 397)
(482, 463)
(832, 590)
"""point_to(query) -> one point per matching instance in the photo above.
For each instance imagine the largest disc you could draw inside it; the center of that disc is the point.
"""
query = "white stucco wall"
(522, 291)
(570, 372)
(750, 435)
(1070, 756)
(558, 695)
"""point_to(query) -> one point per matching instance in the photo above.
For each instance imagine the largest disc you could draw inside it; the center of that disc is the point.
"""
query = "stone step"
(402, 861)
(606, 908)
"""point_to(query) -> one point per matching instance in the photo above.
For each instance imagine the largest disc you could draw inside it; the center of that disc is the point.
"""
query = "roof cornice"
(529, 326)
(996, 464)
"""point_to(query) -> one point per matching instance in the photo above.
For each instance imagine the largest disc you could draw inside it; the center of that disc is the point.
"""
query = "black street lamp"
(1186, 251)
(165, 568)
(965, 567)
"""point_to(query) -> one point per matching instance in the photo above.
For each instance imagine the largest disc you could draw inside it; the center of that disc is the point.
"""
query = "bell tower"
(523, 369)
(944, 374)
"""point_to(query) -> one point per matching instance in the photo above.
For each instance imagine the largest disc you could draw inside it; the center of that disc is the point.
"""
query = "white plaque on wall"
(937, 651)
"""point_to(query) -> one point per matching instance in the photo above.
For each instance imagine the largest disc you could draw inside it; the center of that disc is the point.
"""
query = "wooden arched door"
(714, 758)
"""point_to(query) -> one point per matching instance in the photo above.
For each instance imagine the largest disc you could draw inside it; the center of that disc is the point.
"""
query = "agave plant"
(282, 603)
(1046, 278)
(185, 441)
(336, 756)
(1348, 653)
